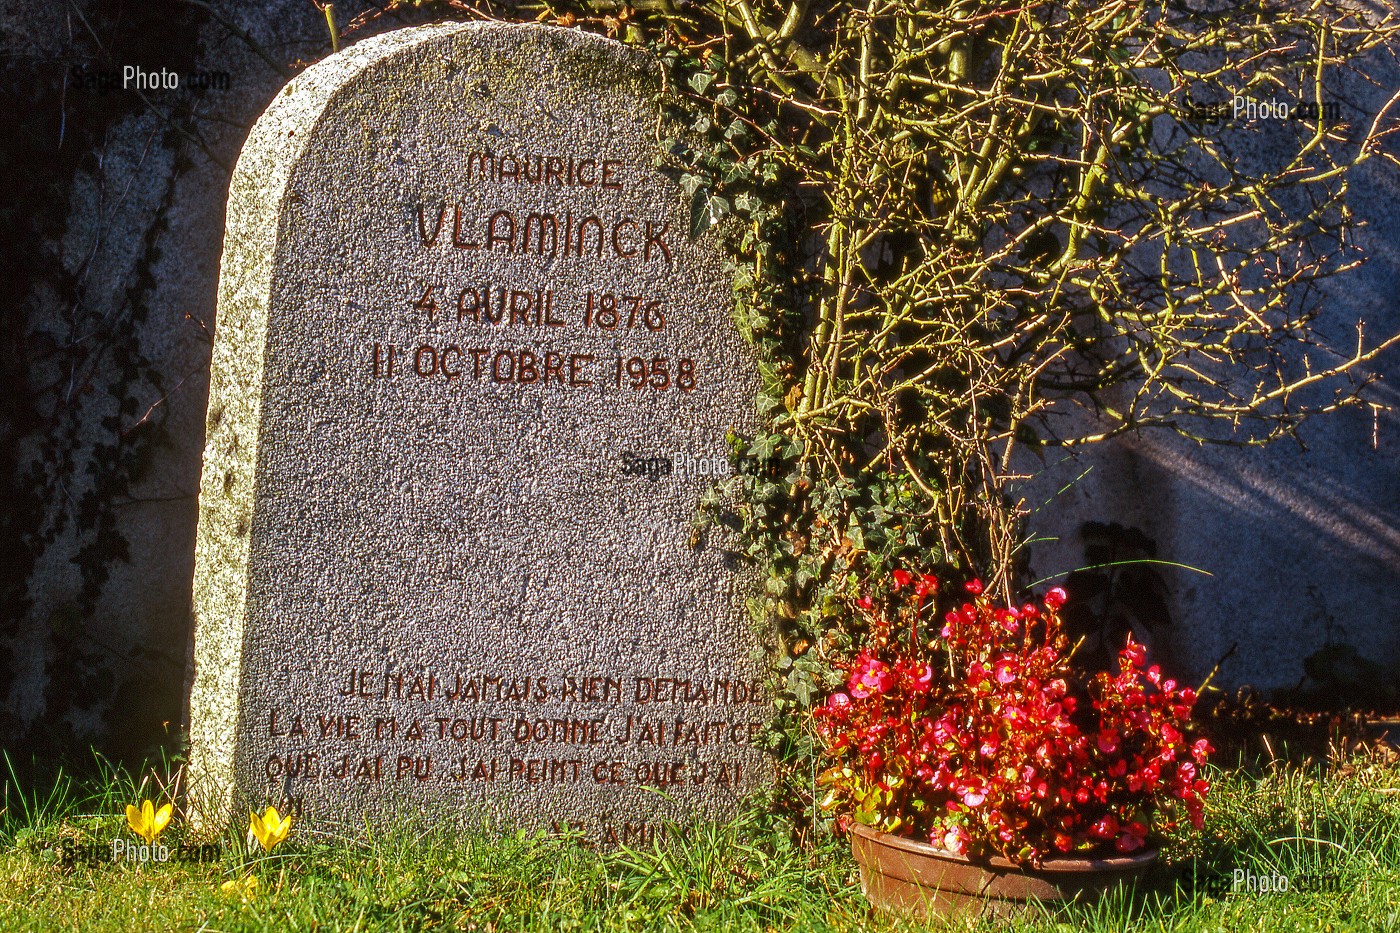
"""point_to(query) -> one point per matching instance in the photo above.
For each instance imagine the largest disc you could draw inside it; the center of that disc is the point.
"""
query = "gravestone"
(467, 359)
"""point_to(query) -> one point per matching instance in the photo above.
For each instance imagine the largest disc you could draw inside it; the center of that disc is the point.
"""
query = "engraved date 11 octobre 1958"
(529, 367)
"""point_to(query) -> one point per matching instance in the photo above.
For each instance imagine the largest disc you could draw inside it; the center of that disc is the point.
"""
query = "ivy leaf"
(857, 535)
(763, 447)
(701, 82)
(718, 207)
(747, 203)
(800, 686)
(699, 213)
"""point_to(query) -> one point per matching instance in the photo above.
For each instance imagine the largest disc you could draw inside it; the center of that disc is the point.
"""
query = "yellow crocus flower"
(244, 887)
(148, 822)
(270, 828)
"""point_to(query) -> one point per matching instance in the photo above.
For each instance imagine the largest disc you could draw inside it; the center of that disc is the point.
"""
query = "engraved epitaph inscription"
(457, 299)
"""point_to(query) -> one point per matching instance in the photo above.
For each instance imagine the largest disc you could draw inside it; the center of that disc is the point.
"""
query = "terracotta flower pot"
(916, 879)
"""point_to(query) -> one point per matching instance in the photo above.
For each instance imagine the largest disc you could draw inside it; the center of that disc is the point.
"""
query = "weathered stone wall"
(112, 229)
(1301, 539)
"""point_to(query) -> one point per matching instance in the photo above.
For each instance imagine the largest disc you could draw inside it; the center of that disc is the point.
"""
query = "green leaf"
(747, 203)
(699, 213)
(764, 446)
(718, 207)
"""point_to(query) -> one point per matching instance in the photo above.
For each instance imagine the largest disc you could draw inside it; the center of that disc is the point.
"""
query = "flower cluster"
(975, 733)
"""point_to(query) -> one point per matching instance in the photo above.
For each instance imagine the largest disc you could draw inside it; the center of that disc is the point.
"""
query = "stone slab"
(445, 560)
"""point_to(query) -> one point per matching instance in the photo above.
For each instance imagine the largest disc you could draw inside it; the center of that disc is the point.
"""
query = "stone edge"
(257, 199)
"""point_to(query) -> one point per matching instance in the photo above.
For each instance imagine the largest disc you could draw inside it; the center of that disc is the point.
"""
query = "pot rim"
(1053, 863)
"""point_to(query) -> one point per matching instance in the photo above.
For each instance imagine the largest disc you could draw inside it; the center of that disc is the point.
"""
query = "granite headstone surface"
(467, 359)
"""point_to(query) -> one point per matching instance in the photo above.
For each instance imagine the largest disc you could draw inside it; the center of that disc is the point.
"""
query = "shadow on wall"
(1118, 594)
(1337, 515)
(1269, 563)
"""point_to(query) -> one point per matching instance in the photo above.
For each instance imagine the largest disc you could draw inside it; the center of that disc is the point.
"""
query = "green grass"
(1340, 823)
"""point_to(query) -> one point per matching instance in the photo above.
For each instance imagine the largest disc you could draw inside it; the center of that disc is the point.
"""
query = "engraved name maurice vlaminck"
(614, 235)
(618, 235)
